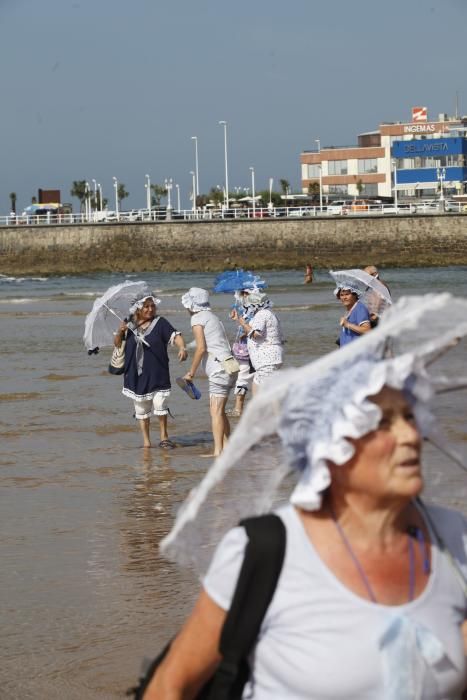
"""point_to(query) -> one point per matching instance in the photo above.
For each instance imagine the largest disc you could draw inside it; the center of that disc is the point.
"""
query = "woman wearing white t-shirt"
(265, 341)
(371, 601)
(212, 348)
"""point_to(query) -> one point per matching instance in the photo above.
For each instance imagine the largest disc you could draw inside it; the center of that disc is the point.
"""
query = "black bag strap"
(257, 581)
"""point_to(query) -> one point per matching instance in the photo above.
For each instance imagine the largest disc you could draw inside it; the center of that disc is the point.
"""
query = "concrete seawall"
(399, 241)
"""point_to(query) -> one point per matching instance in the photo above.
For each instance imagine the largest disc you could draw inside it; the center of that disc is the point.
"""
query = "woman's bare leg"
(219, 423)
(163, 427)
(144, 423)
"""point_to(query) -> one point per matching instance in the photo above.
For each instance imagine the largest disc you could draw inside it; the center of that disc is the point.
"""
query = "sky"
(95, 89)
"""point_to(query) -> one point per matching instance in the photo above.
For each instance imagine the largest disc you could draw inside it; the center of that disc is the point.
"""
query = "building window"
(370, 189)
(338, 189)
(337, 167)
(313, 171)
(430, 162)
(367, 165)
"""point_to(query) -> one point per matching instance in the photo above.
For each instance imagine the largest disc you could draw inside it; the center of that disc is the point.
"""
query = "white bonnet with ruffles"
(140, 303)
(196, 299)
(319, 416)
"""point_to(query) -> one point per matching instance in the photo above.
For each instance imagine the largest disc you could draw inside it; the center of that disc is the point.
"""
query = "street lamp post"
(193, 190)
(226, 200)
(252, 170)
(396, 202)
(99, 187)
(320, 188)
(271, 181)
(318, 141)
(116, 197)
(168, 186)
(95, 193)
(441, 176)
(195, 139)
(177, 187)
(148, 194)
(87, 191)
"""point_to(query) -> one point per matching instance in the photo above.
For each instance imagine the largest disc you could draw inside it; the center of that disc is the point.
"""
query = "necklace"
(358, 566)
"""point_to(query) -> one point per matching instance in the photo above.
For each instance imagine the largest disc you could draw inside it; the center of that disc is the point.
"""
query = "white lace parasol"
(370, 290)
(109, 310)
(302, 416)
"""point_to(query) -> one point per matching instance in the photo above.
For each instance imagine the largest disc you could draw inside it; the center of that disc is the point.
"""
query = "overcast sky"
(102, 88)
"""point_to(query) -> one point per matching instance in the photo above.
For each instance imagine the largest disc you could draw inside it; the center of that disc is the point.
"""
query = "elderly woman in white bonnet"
(263, 329)
(146, 378)
(214, 355)
(372, 596)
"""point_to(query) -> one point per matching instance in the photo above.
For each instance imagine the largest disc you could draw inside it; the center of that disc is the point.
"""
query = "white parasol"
(254, 471)
(371, 291)
(109, 311)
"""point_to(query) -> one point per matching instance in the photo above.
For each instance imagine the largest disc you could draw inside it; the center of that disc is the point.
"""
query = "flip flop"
(167, 445)
(189, 388)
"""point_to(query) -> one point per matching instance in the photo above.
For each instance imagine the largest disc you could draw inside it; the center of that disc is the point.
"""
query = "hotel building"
(417, 158)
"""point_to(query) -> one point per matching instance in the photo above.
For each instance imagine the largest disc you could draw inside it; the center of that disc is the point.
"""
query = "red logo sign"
(419, 114)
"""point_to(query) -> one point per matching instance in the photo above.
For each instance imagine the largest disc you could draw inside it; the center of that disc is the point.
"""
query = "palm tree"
(13, 201)
(158, 191)
(96, 201)
(285, 186)
(78, 190)
(121, 192)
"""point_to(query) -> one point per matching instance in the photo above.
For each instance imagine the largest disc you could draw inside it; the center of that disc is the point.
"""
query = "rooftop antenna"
(457, 104)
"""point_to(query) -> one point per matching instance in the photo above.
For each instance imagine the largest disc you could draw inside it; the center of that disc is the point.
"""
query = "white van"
(339, 206)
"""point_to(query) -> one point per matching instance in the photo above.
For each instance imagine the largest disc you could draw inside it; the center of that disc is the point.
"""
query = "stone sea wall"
(402, 241)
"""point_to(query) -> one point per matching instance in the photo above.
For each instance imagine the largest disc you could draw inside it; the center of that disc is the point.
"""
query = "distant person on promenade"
(356, 320)
(146, 377)
(308, 274)
(264, 334)
(212, 353)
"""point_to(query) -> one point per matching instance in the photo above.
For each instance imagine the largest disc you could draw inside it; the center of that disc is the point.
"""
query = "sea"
(86, 595)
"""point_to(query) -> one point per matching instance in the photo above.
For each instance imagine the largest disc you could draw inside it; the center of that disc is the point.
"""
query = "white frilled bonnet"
(196, 299)
(302, 418)
(139, 303)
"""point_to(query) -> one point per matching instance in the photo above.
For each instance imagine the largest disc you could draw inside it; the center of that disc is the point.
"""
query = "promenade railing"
(242, 213)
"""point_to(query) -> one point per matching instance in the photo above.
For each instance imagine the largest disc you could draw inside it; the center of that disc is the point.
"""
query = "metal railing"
(215, 214)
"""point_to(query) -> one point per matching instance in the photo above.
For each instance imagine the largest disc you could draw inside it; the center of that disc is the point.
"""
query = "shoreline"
(390, 241)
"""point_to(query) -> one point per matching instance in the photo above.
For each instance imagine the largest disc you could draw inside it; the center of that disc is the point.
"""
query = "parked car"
(358, 206)
(339, 206)
(430, 206)
(452, 206)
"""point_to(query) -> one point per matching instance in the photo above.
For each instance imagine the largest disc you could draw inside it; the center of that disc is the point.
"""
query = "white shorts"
(262, 373)
(222, 384)
(243, 379)
(144, 408)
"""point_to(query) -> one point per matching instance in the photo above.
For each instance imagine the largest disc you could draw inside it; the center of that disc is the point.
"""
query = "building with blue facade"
(424, 166)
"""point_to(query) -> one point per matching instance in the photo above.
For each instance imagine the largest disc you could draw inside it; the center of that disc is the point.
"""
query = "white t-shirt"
(266, 348)
(217, 342)
(320, 641)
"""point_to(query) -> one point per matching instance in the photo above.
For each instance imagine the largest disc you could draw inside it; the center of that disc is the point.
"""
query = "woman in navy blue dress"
(146, 378)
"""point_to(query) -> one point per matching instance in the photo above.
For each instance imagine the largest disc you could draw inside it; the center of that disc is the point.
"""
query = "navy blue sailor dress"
(155, 372)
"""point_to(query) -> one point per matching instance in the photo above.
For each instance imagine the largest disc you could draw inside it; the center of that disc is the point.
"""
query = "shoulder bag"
(117, 361)
(264, 556)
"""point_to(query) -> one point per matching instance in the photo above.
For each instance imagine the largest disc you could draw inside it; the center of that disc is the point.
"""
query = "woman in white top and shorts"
(212, 349)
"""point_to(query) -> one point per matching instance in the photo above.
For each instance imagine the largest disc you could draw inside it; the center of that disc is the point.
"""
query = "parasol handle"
(122, 321)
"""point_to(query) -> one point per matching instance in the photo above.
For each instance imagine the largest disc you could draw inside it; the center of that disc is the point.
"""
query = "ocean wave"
(18, 280)
(20, 301)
